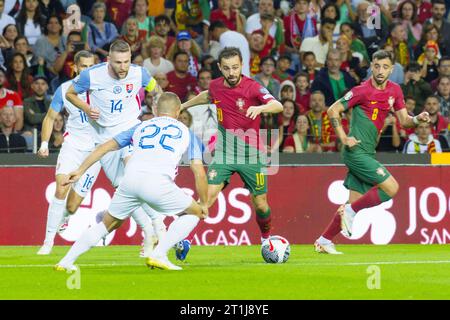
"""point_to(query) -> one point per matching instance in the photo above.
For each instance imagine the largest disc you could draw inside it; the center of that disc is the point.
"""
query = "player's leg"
(123, 203)
(255, 180)
(55, 215)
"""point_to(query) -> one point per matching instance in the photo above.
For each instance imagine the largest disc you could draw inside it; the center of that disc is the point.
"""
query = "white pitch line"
(9, 266)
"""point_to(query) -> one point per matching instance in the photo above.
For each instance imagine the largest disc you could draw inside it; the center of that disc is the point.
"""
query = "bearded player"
(369, 182)
(239, 101)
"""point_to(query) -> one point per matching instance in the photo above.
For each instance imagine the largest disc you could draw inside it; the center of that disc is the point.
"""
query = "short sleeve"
(57, 103)
(125, 138)
(352, 98)
(262, 94)
(196, 147)
(82, 82)
(399, 102)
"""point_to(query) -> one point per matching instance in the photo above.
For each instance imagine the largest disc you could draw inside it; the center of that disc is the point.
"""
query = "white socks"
(349, 210)
(324, 241)
(159, 227)
(55, 216)
(87, 240)
(178, 230)
(143, 221)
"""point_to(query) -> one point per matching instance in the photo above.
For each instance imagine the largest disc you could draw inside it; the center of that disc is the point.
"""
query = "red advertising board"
(302, 199)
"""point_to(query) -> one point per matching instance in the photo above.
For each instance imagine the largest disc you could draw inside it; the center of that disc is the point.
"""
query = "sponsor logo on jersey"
(129, 87)
(117, 89)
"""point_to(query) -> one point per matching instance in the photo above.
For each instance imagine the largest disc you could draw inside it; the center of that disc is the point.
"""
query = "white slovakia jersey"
(158, 145)
(117, 99)
(79, 132)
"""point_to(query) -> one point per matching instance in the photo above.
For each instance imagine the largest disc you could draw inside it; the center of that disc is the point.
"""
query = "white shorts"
(159, 192)
(69, 159)
(113, 165)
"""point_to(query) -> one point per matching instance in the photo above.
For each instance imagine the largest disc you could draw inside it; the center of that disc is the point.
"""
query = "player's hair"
(383, 54)
(168, 102)
(229, 52)
(119, 46)
(82, 54)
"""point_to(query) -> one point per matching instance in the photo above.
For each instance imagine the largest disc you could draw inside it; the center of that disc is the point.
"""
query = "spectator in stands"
(331, 80)
(11, 99)
(407, 16)
(390, 139)
(161, 79)
(298, 25)
(356, 44)
(219, 32)
(430, 33)
(267, 20)
(303, 93)
(120, 11)
(397, 39)
(155, 62)
(422, 141)
(203, 81)
(321, 130)
(256, 43)
(351, 63)
(309, 65)
(146, 23)
(424, 10)
(331, 11)
(443, 70)
(254, 22)
(51, 7)
(415, 86)
(64, 64)
(10, 140)
(101, 34)
(185, 118)
(287, 90)
(30, 22)
(186, 44)
(18, 76)
(36, 106)
(265, 77)
(438, 11)
(162, 29)
(57, 137)
(5, 19)
(226, 14)
(180, 80)
(429, 61)
(300, 140)
(35, 64)
(286, 121)
(51, 43)
(439, 123)
(133, 36)
(282, 68)
(321, 43)
(443, 93)
(10, 33)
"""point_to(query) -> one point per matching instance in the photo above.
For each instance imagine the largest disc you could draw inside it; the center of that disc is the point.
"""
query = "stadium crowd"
(307, 53)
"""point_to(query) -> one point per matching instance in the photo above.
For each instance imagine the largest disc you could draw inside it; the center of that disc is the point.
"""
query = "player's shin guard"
(54, 217)
(178, 230)
(372, 198)
(264, 220)
(87, 240)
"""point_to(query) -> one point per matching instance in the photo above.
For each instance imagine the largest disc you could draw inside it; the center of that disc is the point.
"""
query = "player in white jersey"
(113, 106)
(76, 147)
(158, 144)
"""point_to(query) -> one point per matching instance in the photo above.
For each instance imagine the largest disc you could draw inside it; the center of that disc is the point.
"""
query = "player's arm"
(406, 121)
(334, 113)
(201, 183)
(201, 98)
(273, 106)
(47, 128)
(82, 84)
(94, 156)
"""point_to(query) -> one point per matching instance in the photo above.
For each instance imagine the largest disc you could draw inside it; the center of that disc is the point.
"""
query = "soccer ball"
(276, 249)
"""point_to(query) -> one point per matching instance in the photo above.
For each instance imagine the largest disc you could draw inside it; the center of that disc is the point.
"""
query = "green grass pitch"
(116, 272)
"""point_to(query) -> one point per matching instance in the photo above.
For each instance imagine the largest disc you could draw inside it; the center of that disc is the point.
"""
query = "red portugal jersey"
(10, 99)
(232, 105)
(370, 107)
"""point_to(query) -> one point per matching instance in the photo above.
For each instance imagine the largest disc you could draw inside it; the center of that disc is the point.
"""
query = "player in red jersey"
(369, 182)
(239, 100)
